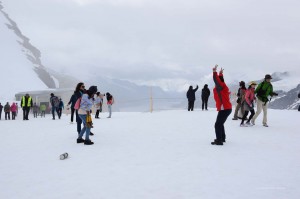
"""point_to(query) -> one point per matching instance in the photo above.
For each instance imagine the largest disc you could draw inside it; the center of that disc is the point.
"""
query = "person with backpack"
(54, 101)
(223, 104)
(263, 91)
(249, 104)
(60, 107)
(110, 101)
(190, 94)
(240, 100)
(204, 96)
(84, 113)
(26, 104)
(7, 111)
(1, 107)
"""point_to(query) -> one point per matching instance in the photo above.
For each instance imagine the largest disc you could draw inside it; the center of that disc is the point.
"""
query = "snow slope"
(17, 72)
(159, 155)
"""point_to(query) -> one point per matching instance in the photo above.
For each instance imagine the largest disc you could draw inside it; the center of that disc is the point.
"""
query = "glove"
(274, 94)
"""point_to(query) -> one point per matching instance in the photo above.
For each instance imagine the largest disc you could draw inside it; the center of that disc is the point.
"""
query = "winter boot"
(88, 142)
(216, 142)
(80, 140)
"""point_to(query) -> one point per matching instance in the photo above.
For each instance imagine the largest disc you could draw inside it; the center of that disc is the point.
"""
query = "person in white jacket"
(84, 111)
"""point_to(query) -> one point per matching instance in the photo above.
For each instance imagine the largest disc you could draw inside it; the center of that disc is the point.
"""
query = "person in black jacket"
(1, 107)
(205, 95)
(72, 101)
(191, 97)
(298, 107)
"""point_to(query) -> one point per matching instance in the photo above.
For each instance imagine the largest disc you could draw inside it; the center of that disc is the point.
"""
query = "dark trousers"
(0, 114)
(53, 112)
(191, 105)
(79, 122)
(97, 113)
(219, 125)
(298, 110)
(7, 115)
(43, 113)
(35, 114)
(59, 112)
(13, 115)
(246, 114)
(72, 114)
(26, 111)
(204, 103)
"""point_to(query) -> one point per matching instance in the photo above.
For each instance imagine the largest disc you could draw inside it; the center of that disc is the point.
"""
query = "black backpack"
(55, 101)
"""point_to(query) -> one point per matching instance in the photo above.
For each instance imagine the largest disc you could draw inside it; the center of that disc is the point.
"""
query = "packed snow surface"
(159, 155)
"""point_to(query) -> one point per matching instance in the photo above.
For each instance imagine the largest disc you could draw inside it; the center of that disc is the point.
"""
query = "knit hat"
(93, 89)
(268, 76)
(253, 83)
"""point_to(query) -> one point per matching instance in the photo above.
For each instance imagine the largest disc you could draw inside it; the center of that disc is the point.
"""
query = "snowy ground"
(160, 155)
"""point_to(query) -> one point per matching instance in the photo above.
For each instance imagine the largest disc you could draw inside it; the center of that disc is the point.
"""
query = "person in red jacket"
(224, 107)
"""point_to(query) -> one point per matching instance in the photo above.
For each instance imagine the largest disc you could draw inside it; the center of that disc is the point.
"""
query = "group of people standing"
(191, 96)
(245, 102)
(248, 96)
(7, 108)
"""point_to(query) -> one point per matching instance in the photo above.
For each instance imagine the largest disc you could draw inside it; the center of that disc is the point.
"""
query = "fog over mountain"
(23, 70)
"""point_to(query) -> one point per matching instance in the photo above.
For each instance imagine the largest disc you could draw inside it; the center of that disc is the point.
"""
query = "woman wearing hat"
(263, 91)
(249, 104)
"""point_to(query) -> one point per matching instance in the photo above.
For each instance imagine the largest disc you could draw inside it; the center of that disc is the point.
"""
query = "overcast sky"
(167, 42)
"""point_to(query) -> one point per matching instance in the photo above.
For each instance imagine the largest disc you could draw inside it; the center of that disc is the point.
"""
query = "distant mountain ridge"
(130, 96)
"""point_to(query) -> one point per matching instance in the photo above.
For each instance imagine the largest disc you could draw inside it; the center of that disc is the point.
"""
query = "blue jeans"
(85, 129)
(53, 111)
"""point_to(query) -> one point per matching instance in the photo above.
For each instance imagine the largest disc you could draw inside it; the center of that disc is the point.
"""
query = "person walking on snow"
(60, 107)
(54, 101)
(263, 91)
(240, 101)
(224, 107)
(190, 94)
(249, 104)
(204, 96)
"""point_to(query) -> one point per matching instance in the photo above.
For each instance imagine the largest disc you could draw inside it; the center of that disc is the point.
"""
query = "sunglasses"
(82, 86)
